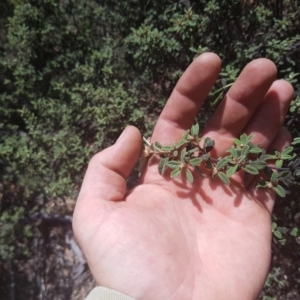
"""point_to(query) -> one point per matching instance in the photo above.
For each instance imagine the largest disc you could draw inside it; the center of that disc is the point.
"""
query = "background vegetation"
(74, 73)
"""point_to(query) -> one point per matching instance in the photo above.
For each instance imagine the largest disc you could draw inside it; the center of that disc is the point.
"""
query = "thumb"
(105, 178)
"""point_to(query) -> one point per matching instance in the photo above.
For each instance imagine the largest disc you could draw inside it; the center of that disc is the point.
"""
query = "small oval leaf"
(189, 176)
(231, 170)
(167, 148)
(162, 165)
(255, 150)
(183, 154)
(181, 143)
(294, 232)
(278, 234)
(237, 142)
(158, 145)
(224, 178)
(241, 158)
(279, 190)
(279, 163)
(208, 144)
(251, 170)
(258, 164)
(222, 163)
(233, 152)
(175, 173)
(173, 164)
(195, 161)
(245, 150)
(288, 150)
(195, 130)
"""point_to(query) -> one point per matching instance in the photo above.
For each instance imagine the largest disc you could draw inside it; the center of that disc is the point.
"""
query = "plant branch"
(187, 155)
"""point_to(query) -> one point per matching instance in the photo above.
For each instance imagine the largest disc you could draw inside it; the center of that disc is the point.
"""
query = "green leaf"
(231, 170)
(175, 153)
(189, 176)
(255, 150)
(241, 158)
(278, 234)
(268, 156)
(294, 232)
(158, 145)
(195, 130)
(287, 150)
(279, 190)
(173, 164)
(182, 155)
(205, 157)
(208, 144)
(224, 178)
(193, 151)
(258, 164)
(162, 165)
(274, 177)
(181, 143)
(233, 152)
(296, 141)
(277, 153)
(245, 139)
(287, 157)
(222, 163)
(251, 170)
(167, 148)
(185, 135)
(237, 142)
(245, 150)
(282, 241)
(175, 172)
(279, 163)
(195, 161)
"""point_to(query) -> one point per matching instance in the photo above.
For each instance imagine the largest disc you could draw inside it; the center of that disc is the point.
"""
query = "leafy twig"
(192, 154)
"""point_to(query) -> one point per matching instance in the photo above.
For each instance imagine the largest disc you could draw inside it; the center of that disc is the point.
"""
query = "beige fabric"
(103, 293)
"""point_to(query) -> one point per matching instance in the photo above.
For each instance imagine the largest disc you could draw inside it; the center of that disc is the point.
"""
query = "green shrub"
(74, 74)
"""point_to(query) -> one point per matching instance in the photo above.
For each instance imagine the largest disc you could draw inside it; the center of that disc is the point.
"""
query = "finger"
(240, 103)
(107, 170)
(270, 116)
(105, 179)
(267, 196)
(187, 98)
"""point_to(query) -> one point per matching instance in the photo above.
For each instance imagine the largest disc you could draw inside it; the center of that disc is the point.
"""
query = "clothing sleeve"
(103, 293)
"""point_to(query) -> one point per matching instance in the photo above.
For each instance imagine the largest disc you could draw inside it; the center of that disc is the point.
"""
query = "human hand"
(169, 239)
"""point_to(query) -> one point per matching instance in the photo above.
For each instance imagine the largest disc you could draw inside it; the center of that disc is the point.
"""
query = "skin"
(169, 239)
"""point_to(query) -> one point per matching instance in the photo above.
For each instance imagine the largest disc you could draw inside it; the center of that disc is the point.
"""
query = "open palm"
(169, 239)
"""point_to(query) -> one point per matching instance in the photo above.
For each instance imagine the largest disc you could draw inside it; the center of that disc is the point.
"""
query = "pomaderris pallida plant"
(192, 157)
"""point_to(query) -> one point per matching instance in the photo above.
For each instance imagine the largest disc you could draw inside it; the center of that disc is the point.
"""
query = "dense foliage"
(74, 73)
